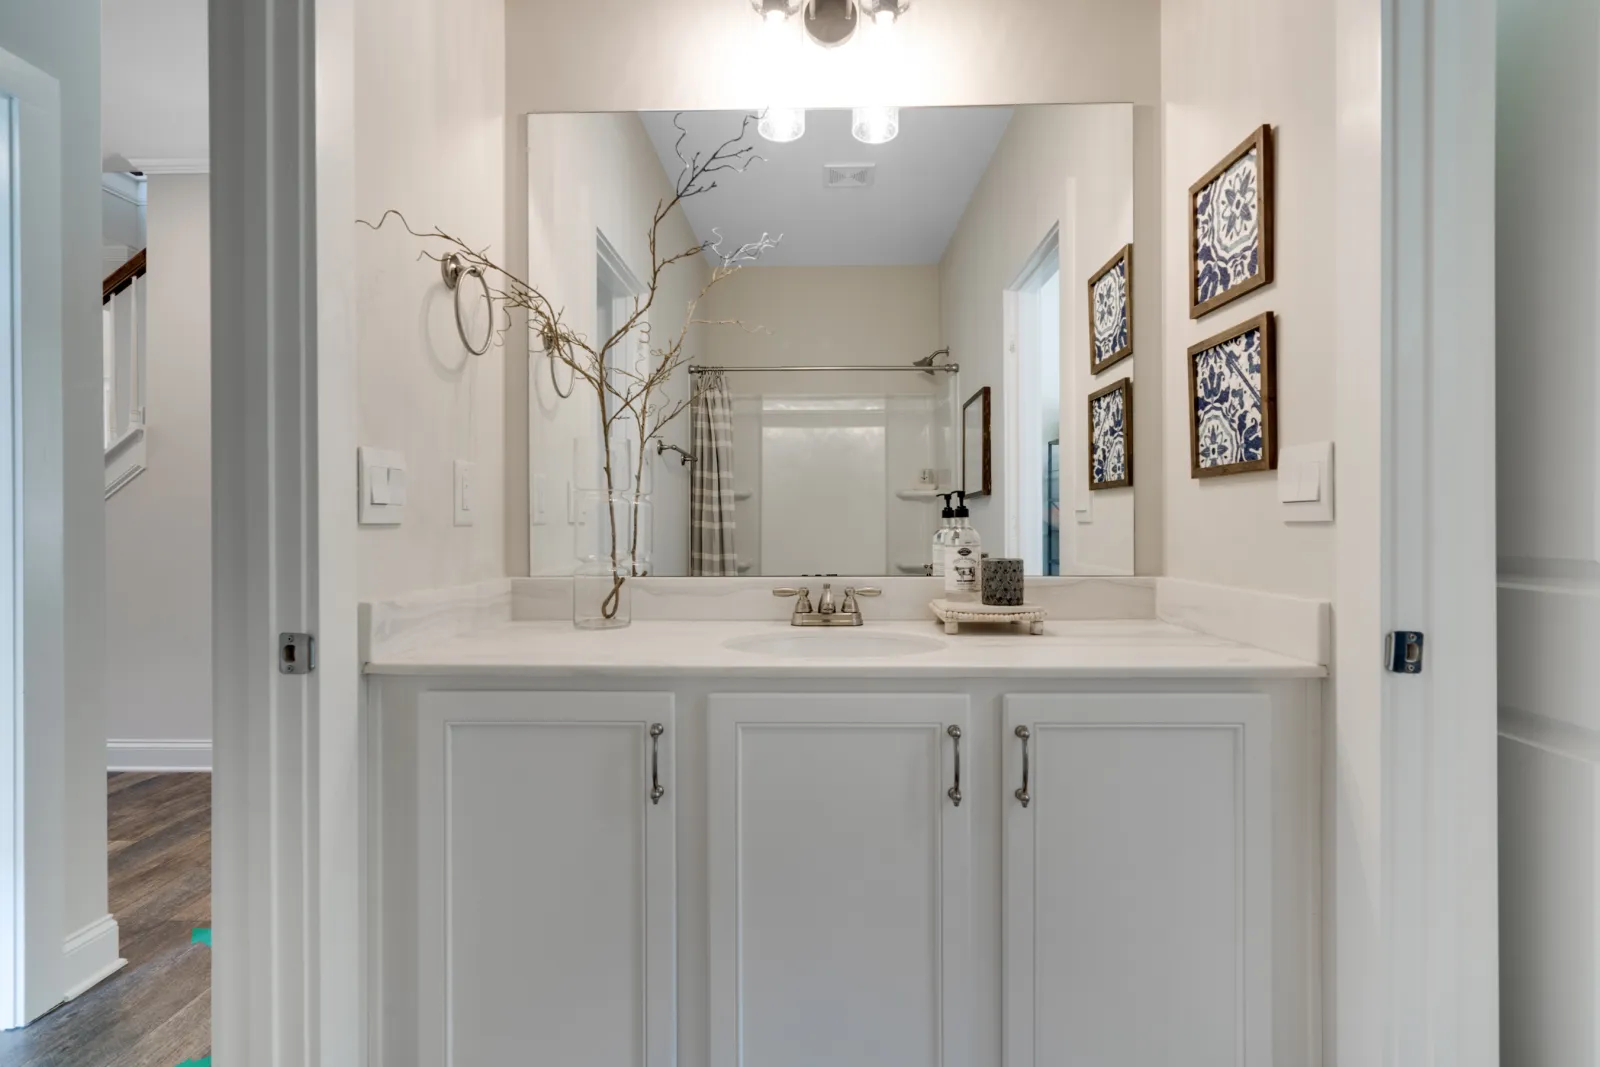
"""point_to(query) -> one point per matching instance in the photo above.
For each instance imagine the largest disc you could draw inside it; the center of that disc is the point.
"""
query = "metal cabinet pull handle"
(657, 791)
(954, 792)
(1023, 794)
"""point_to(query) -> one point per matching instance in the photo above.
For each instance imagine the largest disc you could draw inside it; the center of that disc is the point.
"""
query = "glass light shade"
(875, 125)
(782, 124)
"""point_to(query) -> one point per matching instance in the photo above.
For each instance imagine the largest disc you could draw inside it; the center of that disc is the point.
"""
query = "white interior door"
(839, 881)
(1549, 530)
(1138, 884)
(549, 903)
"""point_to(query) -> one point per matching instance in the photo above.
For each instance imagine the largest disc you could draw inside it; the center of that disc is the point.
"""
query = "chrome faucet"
(826, 614)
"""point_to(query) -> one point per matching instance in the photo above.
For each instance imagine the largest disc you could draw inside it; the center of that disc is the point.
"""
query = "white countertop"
(1139, 648)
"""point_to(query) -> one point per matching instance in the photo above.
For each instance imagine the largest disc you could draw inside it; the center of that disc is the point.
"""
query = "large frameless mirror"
(801, 328)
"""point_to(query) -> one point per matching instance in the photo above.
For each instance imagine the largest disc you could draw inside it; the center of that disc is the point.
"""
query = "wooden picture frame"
(1220, 433)
(1261, 143)
(1125, 388)
(980, 401)
(1124, 260)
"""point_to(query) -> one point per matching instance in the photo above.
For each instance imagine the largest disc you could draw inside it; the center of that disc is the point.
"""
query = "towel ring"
(453, 267)
(572, 375)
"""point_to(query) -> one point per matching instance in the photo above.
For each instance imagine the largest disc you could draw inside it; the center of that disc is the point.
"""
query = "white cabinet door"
(839, 881)
(1138, 884)
(548, 882)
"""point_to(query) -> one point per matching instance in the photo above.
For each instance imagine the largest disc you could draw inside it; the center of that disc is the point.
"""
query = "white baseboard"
(158, 755)
(90, 956)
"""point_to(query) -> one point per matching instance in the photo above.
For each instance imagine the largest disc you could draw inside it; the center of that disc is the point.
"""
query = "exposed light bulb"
(776, 17)
(883, 18)
(875, 125)
(782, 124)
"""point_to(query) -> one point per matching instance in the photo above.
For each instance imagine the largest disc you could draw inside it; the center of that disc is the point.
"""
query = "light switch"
(1305, 482)
(541, 500)
(465, 472)
(382, 484)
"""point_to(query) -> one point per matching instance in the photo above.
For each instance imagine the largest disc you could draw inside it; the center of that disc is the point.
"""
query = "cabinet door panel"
(839, 882)
(1138, 893)
(548, 929)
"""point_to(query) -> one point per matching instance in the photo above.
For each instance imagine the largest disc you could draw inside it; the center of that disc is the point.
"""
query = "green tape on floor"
(196, 1063)
(201, 936)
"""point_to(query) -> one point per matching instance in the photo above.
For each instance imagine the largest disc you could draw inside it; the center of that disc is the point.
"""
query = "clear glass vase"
(613, 549)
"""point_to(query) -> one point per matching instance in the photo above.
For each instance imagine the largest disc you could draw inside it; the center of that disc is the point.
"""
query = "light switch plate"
(466, 473)
(383, 482)
(541, 500)
(1305, 482)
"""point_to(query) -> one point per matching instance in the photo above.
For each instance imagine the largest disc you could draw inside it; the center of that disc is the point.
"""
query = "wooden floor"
(155, 1012)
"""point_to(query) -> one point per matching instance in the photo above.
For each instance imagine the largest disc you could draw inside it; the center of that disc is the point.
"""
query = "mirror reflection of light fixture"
(875, 125)
(776, 12)
(782, 124)
(884, 13)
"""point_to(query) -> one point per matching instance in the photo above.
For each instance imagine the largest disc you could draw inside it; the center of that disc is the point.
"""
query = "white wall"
(706, 54)
(429, 121)
(1548, 434)
(1228, 530)
(837, 316)
(63, 40)
(154, 104)
(1070, 167)
(158, 528)
(591, 173)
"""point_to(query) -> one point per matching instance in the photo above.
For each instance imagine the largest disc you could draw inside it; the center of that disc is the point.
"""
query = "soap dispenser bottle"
(963, 569)
(941, 536)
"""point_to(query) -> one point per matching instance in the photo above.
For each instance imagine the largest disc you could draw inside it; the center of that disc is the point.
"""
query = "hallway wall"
(158, 528)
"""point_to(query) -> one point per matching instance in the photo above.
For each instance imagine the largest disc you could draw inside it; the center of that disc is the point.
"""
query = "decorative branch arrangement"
(627, 390)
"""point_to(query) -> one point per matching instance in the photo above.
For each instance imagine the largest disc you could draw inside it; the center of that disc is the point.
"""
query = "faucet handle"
(803, 607)
(850, 607)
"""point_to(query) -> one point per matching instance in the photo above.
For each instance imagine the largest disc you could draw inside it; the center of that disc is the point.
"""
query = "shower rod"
(948, 368)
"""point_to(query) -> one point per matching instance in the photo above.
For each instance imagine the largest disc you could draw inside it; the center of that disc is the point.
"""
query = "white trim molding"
(125, 187)
(157, 755)
(91, 956)
(125, 460)
(171, 166)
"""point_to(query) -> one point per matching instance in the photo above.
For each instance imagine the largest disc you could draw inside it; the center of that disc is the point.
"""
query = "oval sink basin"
(837, 644)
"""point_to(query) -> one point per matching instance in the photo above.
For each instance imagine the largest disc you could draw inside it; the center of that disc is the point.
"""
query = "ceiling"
(921, 185)
(153, 90)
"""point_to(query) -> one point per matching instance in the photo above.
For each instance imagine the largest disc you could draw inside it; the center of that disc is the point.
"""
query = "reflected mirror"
(853, 313)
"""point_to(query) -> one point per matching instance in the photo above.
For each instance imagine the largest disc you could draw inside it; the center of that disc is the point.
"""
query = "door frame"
(287, 976)
(1413, 770)
(33, 735)
(1412, 824)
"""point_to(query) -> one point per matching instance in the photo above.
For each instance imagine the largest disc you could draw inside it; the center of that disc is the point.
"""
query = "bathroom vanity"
(738, 843)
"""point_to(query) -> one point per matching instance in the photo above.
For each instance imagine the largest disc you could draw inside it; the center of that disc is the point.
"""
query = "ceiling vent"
(848, 175)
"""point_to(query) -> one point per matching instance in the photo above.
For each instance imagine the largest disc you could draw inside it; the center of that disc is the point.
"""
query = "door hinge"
(1405, 652)
(297, 653)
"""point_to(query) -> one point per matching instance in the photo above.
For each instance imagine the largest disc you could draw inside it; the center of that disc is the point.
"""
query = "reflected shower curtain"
(711, 550)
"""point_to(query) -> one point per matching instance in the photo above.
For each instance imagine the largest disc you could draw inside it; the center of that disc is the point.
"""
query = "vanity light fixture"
(884, 13)
(875, 125)
(776, 12)
(782, 124)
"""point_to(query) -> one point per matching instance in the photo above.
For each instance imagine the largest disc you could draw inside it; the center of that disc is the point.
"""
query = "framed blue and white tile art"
(1111, 312)
(1233, 400)
(1111, 436)
(1231, 226)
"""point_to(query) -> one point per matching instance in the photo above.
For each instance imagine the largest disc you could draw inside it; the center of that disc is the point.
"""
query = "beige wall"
(429, 119)
(705, 54)
(590, 174)
(1072, 167)
(1228, 530)
(158, 528)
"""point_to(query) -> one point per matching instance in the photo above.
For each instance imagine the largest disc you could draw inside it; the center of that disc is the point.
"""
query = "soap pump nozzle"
(949, 510)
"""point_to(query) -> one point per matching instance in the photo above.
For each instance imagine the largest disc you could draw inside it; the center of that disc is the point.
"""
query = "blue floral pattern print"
(1229, 415)
(1109, 432)
(1227, 222)
(1110, 302)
